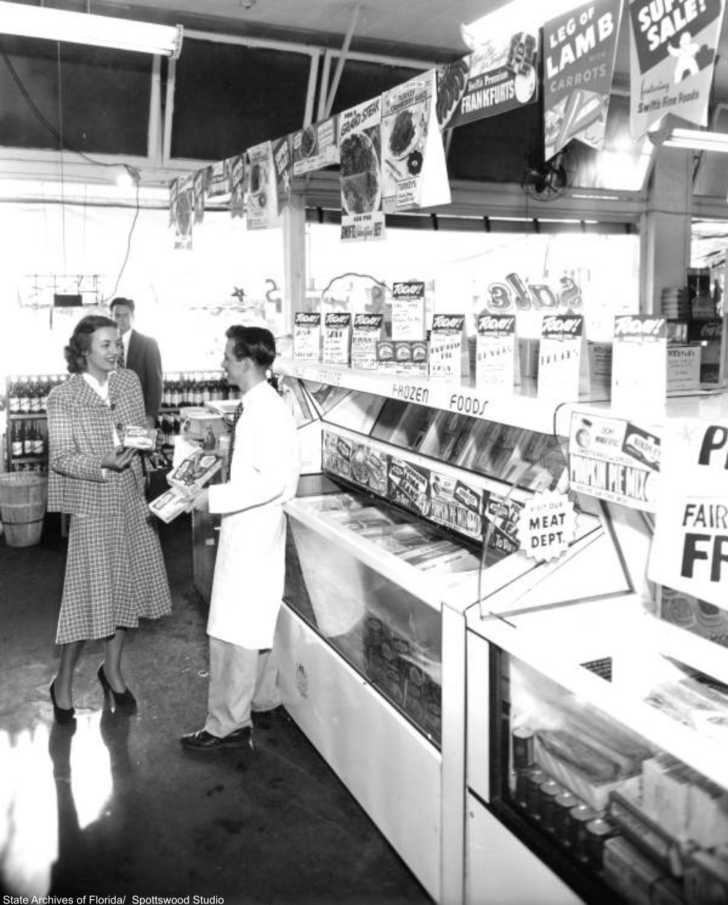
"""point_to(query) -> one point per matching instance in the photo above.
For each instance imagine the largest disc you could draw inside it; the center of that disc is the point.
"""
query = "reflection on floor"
(110, 805)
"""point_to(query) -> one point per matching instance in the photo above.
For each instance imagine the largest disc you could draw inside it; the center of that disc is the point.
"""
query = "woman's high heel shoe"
(62, 715)
(124, 700)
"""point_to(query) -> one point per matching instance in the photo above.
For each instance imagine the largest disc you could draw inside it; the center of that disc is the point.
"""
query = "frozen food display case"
(596, 767)
(421, 525)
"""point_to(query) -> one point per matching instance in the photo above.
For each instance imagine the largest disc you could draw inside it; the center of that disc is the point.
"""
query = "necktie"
(122, 356)
(236, 418)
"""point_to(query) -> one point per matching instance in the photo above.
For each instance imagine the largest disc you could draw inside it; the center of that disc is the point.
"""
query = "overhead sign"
(579, 52)
(672, 56)
(690, 548)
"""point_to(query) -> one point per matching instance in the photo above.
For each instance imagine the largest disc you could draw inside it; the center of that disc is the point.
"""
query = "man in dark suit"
(140, 354)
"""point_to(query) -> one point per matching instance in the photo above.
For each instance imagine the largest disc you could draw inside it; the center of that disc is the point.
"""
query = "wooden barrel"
(22, 507)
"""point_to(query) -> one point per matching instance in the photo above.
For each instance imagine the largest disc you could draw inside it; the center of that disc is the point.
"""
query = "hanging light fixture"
(86, 28)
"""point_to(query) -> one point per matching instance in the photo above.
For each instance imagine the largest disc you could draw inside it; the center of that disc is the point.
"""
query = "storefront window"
(468, 272)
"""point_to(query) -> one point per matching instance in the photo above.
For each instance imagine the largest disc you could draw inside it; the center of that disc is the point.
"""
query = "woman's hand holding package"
(118, 460)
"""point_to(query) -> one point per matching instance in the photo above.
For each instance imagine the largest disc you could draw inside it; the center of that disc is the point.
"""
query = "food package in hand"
(136, 437)
(169, 505)
(194, 471)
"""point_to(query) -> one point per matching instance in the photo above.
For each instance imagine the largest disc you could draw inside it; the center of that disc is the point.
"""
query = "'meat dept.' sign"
(690, 548)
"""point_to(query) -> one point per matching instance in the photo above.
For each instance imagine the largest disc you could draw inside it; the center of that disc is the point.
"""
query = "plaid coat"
(115, 572)
(80, 435)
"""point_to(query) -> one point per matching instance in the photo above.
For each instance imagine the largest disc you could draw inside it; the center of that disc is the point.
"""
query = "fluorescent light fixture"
(696, 139)
(85, 28)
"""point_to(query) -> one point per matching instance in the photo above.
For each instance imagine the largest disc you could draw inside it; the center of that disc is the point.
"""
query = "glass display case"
(613, 775)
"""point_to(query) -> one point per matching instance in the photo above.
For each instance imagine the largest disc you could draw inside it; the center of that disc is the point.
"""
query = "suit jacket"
(80, 434)
(143, 357)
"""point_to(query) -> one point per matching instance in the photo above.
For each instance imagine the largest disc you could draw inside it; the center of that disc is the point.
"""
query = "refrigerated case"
(381, 572)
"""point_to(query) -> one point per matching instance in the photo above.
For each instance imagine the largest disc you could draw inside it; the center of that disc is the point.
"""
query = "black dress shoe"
(62, 715)
(124, 701)
(206, 741)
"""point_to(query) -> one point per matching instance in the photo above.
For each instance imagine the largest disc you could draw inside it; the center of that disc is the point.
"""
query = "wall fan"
(548, 180)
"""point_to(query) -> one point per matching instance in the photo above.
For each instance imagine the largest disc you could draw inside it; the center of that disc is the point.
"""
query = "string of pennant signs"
(390, 151)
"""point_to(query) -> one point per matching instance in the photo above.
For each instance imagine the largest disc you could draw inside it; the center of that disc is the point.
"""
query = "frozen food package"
(137, 437)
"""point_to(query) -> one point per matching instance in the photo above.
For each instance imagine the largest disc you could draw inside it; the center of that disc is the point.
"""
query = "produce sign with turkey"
(362, 216)
(500, 75)
(414, 173)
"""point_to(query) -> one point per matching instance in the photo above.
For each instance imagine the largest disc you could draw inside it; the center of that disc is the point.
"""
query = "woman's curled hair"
(79, 345)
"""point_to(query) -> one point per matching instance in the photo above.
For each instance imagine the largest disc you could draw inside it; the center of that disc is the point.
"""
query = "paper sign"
(414, 172)
(283, 164)
(503, 515)
(561, 356)
(315, 147)
(408, 310)
(362, 216)
(336, 455)
(683, 369)
(690, 548)
(579, 53)
(495, 357)
(366, 333)
(546, 526)
(614, 459)
(369, 468)
(713, 338)
(639, 363)
(307, 336)
(236, 175)
(262, 194)
(409, 486)
(448, 350)
(337, 338)
(501, 75)
(672, 56)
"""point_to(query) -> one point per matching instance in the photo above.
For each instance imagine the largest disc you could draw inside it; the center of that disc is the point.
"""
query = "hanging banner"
(672, 55)
(219, 181)
(414, 172)
(184, 213)
(261, 204)
(283, 162)
(690, 548)
(201, 180)
(362, 216)
(235, 167)
(315, 147)
(501, 75)
(579, 52)
(173, 196)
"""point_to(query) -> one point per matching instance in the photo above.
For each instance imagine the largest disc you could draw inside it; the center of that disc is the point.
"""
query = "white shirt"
(102, 389)
(125, 337)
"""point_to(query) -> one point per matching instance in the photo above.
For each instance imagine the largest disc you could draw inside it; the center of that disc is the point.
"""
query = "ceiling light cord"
(128, 245)
(60, 149)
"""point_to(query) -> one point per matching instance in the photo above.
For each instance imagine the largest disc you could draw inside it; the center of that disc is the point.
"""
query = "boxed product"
(337, 338)
(696, 615)
(135, 437)
(366, 333)
(408, 310)
(169, 505)
(195, 471)
(449, 355)
(403, 357)
(629, 872)
(307, 336)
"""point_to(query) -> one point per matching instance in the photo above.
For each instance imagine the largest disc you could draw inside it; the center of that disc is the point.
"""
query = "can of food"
(579, 816)
(534, 778)
(548, 792)
(522, 740)
(597, 833)
(520, 793)
(563, 803)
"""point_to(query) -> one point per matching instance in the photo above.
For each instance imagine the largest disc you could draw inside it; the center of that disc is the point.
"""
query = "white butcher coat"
(249, 571)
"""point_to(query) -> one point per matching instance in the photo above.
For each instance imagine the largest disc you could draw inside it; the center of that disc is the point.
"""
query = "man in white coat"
(248, 582)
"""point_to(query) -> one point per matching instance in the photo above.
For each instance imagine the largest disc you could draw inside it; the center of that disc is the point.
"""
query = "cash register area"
(113, 806)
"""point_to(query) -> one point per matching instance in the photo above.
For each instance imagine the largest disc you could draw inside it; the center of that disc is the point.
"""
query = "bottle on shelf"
(24, 395)
(28, 439)
(13, 397)
(17, 439)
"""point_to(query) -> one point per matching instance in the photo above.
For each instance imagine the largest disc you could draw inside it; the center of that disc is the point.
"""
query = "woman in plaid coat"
(115, 573)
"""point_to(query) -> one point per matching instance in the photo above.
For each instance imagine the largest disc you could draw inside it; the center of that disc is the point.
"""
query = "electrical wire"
(128, 245)
(60, 149)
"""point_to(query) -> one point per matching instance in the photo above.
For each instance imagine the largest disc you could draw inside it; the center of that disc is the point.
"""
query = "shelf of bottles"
(27, 434)
(188, 390)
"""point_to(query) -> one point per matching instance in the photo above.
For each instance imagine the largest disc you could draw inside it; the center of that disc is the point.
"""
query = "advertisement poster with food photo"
(369, 468)
(182, 206)
(409, 486)
(579, 53)
(414, 172)
(336, 455)
(362, 216)
(283, 163)
(500, 75)
(218, 183)
(614, 459)
(689, 551)
(315, 147)
(236, 175)
(456, 505)
(262, 196)
(672, 56)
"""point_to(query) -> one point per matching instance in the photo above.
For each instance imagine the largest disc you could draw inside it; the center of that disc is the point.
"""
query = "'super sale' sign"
(690, 547)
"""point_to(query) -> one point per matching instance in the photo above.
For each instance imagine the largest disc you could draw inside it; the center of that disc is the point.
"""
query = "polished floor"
(114, 807)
